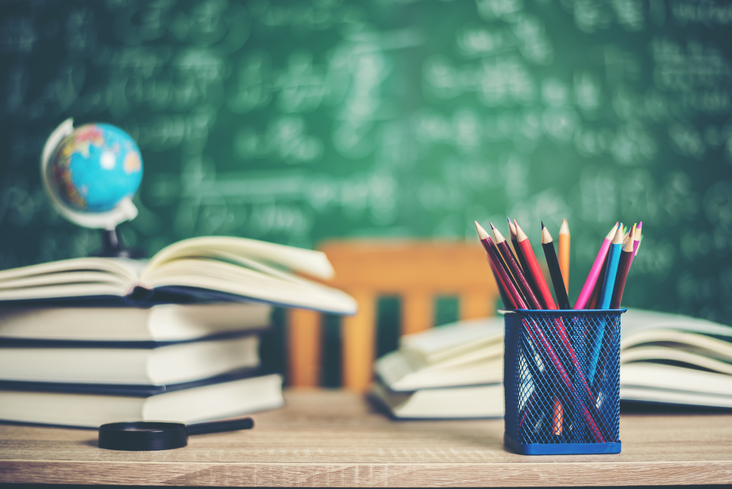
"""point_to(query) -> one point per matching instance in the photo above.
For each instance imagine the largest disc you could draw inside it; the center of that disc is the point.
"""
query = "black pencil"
(556, 273)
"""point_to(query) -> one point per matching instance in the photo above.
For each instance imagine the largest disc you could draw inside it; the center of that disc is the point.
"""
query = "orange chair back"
(416, 271)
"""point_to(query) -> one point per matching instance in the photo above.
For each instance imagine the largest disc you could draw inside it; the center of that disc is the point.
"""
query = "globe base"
(112, 247)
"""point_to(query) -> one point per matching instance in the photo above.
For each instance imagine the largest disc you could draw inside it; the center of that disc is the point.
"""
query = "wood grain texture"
(334, 439)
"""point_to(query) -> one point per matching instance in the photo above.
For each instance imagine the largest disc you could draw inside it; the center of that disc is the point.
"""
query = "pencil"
(534, 269)
(551, 258)
(594, 302)
(502, 288)
(626, 259)
(613, 259)
(586, 291)
(554, 271)
(563, 248)
(509, 273)
(498, 266)
(520, 255)
(502, 246)
(637, 240)
(513, 250)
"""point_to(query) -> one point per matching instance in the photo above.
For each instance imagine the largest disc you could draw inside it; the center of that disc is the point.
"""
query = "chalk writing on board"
(297, 122)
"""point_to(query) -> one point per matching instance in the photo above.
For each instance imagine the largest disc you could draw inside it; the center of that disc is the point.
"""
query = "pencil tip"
(542, 225)
(546, 237)
(482, 234)
(492, 226)
(564, 228)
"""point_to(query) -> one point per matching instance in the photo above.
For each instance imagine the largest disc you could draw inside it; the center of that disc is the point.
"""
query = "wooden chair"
(417, 271)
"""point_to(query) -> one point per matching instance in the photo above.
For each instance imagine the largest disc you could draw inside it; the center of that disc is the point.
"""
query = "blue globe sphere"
(96, 167)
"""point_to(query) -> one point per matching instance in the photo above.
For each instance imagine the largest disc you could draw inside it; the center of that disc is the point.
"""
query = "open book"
(664, 358)
(206, 268)
(458, 354)
(675, 359)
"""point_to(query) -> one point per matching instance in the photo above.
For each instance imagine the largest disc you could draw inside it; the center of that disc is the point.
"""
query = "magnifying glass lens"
(143, 435)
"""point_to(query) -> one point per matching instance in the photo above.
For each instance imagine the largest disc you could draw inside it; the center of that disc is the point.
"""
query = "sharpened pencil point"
(482, 233)
(618, 238)
(520, 234)
(542, 224)
(511, 229)
(497, 234)
(546, 237)
(564, 229)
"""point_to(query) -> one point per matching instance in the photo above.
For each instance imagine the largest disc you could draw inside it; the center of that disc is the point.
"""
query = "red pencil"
(534, 269)
(519, 254)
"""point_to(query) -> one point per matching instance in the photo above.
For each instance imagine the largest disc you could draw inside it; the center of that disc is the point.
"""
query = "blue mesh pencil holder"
(562, 381)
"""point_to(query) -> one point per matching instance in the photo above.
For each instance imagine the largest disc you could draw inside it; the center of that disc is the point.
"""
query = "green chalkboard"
(300, 121)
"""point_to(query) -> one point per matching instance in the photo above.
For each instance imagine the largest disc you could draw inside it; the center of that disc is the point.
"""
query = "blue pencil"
(613, 258)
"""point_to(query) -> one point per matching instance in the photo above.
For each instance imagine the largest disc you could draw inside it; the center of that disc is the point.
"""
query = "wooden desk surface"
(334, 439)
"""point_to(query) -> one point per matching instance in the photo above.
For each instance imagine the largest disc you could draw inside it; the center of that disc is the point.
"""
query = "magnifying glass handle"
(219, 426)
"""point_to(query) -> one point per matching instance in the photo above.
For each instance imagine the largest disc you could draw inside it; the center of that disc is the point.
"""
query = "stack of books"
(456, 371)
(89, 341)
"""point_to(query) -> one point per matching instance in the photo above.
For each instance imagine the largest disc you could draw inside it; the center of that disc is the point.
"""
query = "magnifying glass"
(161, 435)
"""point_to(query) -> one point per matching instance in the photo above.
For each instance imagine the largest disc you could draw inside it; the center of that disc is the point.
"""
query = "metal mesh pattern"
(562, 376)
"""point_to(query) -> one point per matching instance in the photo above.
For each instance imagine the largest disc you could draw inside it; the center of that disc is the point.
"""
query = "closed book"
(157, 323)
(212, 268)
(90, 406)
(126, 363)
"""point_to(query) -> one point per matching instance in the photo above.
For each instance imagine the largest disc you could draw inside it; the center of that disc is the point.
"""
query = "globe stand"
(112, 247)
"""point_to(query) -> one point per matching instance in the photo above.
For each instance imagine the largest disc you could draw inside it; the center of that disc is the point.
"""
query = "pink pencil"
(595, 270)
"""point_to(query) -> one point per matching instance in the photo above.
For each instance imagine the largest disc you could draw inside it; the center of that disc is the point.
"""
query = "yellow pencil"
(564, 239)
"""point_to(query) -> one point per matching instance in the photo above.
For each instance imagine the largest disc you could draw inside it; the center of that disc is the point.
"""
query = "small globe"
(95, 168)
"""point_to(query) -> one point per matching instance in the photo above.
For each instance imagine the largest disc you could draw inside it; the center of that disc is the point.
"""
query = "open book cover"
(195, 269)
(665, 358)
